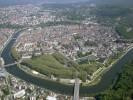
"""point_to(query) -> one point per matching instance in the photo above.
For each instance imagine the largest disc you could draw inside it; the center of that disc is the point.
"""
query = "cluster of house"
(25, 15)
(70, 40)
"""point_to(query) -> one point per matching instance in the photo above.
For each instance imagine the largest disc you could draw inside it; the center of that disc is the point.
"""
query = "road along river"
(105, 82)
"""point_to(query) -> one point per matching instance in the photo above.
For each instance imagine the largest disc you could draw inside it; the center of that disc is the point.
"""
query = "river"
(105, 82)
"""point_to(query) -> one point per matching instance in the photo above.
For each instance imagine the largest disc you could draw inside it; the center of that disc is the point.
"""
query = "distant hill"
(113, 2)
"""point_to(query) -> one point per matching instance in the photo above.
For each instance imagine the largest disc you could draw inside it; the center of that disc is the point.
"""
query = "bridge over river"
(76, 89)
(12, 64)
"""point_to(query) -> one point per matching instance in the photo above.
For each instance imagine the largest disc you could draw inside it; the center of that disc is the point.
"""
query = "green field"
(55, 65)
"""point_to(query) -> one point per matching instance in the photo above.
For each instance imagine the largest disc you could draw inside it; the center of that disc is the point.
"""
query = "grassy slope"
(54, 65)
(48, 65)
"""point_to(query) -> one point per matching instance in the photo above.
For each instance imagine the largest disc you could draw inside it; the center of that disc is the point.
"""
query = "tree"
(83, 75)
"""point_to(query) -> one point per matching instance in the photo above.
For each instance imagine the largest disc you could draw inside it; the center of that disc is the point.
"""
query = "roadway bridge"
(76, 89)
(15, 63)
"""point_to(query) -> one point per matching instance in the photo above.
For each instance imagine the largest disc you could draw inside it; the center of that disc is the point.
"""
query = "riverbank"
(5, 44)
(98, 74)
(9, 39)
(120, 88)
(41, 76)
(2, 61)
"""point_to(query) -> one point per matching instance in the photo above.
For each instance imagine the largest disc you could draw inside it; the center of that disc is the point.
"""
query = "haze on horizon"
(21, 2)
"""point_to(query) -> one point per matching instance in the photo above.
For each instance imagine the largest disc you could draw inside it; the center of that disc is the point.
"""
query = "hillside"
(113, 2)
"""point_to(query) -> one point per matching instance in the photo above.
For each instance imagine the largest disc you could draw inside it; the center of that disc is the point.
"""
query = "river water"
(105, 82)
